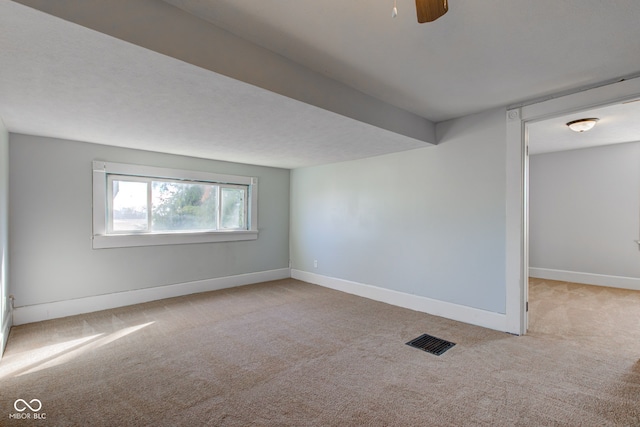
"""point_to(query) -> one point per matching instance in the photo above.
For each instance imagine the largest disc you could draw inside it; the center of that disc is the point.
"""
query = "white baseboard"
(586, 278)
(53, 310)
(474, 316)
(4, 332)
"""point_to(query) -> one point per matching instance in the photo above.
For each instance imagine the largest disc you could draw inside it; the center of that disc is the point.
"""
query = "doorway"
(543, 125)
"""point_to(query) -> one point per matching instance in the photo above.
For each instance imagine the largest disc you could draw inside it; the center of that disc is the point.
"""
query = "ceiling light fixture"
(582, 125)
(394, 11)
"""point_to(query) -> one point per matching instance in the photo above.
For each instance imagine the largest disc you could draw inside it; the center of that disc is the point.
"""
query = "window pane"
(129, 205)
(233, 213)
(178, 206)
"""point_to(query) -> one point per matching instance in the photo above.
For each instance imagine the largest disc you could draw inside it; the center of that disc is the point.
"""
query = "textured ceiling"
(65, 80)
(481, 54)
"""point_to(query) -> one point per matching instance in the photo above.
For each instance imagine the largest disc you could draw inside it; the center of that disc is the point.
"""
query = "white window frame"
(109, 196)
(103, 239)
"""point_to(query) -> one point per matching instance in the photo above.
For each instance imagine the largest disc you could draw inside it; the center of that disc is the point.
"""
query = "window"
(143, 205)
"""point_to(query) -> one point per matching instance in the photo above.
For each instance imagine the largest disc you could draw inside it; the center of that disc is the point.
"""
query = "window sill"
(133, 240)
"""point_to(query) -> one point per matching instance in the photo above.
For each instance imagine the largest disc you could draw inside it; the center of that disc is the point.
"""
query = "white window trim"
(109, 196)
(102, 239)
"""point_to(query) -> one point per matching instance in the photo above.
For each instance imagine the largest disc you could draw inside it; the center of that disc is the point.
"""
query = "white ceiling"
(64, 80)
(617, 124)
(481, 54)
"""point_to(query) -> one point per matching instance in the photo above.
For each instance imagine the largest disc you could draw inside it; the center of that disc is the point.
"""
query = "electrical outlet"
(315, 263)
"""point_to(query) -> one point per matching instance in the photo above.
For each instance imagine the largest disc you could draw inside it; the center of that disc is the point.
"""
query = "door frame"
(517, 182)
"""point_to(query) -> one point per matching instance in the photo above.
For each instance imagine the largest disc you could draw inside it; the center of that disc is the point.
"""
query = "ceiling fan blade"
(430, 10)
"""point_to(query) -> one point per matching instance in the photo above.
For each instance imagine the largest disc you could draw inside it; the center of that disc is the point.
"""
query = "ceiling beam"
(163, 28)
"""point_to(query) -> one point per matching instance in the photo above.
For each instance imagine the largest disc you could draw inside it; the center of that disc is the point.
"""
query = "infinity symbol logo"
(26, 405)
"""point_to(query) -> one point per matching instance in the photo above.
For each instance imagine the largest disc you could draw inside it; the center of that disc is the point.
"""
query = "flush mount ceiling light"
(582, 125)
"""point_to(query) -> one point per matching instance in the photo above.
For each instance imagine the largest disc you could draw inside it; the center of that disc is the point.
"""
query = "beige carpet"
(287, 353)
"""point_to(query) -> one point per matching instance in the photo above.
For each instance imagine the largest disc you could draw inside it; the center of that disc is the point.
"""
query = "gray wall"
(429, 222)
(4, 242)
(51, 225)
(584, 210)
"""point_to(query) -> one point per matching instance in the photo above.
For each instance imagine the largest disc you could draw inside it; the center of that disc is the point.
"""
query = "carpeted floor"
(287, 353)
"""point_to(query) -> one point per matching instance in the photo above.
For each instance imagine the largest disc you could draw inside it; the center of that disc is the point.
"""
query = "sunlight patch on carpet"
(48, 356)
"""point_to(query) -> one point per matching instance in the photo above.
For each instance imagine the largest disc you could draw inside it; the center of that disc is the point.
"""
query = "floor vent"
(431, 344)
